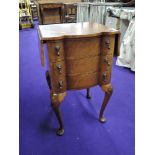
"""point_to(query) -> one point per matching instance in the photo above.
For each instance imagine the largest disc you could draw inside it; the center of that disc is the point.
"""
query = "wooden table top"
(73, 30)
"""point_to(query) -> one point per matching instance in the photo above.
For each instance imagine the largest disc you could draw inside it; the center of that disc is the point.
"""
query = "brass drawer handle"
(57, 49)
(106, 61)
(60, 84)
(107, 42)
(104, 77)
(59, 67)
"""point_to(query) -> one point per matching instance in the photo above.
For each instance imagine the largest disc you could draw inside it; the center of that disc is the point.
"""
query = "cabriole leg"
(48, 79)
(56, 99)
(108, 92)
(60, 130)
(88, 94)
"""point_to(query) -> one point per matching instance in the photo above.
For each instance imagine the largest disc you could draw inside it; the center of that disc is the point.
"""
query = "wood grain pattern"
(50, 13)
(58, 68)
(106, 63)
(107, 45)
(82, 66)
(51, 16)
(82, 81)
(54, 11)
(107, 88)
(74, 30)
(55, 55)
(76, 48)
(55, 84)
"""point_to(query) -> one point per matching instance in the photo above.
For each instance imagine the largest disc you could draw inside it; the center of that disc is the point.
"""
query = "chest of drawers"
(79, 56)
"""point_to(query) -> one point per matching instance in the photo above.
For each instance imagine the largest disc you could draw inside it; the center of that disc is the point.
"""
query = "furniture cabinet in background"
(50, 13)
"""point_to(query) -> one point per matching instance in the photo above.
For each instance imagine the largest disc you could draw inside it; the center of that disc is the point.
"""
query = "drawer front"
(58, 76)
(82, 66)
(82, 48)
(106, 63)
(105, 69)
(105, 77)
(108, 44)
(58, 68)
(58, 84)
(82, 81)
(55, 51)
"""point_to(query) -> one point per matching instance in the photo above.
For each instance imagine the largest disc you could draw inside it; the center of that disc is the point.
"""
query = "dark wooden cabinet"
(70, 12)
(50, 12)
(79, 56)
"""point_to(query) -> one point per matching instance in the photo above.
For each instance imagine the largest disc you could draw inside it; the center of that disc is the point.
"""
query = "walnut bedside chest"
(79, 56)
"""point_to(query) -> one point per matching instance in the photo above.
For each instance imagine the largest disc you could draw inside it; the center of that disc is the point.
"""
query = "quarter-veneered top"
(73, 30)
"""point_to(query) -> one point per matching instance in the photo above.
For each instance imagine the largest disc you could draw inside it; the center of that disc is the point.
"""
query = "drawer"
(58, 68)
(55, 50)
(82, 66)
(108, 44)
(82, 48)
(82, 81)
(104, 77)
(106, 63)
(58, 76)
(58, 84)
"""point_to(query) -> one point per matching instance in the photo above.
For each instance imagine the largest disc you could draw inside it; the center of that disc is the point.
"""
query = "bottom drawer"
(58, 84)
(105, 77)
(82, 81)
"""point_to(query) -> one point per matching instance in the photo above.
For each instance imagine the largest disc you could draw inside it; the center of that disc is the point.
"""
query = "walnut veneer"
(79, 56)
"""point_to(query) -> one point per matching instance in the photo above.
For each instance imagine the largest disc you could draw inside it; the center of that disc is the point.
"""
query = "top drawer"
(82, 47)
(55, 50)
